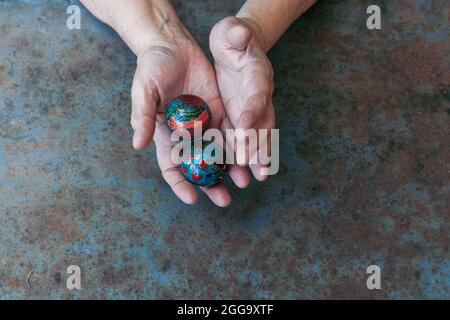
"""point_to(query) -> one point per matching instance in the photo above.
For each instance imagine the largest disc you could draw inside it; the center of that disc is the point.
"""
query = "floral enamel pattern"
(200, 167)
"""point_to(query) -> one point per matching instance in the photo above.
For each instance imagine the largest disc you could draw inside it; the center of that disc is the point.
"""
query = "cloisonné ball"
(200, 167)
(182, 111)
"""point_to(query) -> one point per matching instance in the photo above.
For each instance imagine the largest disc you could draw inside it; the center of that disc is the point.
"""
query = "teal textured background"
(364, 127)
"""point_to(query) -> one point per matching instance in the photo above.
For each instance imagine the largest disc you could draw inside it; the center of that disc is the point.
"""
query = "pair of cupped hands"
(238, 89)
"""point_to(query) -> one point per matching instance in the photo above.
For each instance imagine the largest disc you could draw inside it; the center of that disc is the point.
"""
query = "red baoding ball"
(182, 111)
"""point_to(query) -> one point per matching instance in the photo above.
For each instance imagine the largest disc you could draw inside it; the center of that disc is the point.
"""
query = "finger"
(258, 173)
(263, 156)
(218, 194)
(143, 117)
(183, 189)
(254, 110)
(238, 174)
(170, 172)
(250, 117)
(260, 167)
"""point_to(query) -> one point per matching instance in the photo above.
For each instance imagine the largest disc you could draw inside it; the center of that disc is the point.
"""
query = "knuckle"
(168, 173)
(225, 23)
(231, 20)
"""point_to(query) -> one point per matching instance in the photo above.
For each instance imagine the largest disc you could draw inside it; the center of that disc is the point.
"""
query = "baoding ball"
(182, 111)
(200, 167)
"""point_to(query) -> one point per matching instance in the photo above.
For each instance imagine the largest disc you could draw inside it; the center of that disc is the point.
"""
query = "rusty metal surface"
(364, 120)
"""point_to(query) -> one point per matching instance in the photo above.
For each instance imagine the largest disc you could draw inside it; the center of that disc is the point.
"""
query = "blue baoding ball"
(195, 167)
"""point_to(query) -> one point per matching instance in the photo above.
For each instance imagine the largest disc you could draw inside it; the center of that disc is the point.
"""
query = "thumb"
(229, 33)
(238, 37)
(143, 116)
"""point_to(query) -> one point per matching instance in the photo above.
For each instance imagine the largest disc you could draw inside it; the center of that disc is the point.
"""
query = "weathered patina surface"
(364, 179)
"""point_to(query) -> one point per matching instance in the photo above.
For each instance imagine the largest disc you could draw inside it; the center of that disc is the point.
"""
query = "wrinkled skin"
(245, 78)
(163, 72)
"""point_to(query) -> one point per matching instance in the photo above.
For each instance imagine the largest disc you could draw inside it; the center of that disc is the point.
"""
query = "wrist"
(157, 25)
(168, 36)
